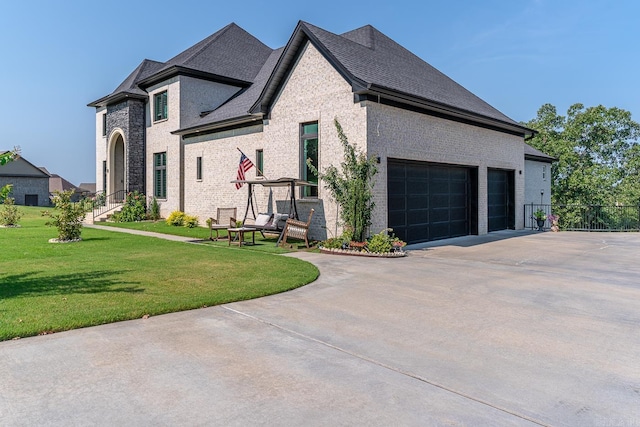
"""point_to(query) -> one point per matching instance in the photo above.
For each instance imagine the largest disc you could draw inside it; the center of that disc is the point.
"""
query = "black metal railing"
(104, 203)
(586, 217)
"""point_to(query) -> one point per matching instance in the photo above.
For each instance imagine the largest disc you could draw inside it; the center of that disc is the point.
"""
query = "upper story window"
(259, 162)
(544, 172)
(309, 145)
(104, 124)
(160, 110)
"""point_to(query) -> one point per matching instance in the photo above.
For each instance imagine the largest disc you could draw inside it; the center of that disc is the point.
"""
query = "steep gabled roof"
(230, 55)
(129, 87)
(58, 183)
(21, 167)
(375, 65)
(237, 108)
(230, 52)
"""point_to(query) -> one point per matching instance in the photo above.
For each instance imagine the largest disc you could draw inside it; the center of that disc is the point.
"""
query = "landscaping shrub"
(381, 242)
(154, 209)
(67, 217)
(190, 221)
(176, 218)
(9, 214)
(133, 209)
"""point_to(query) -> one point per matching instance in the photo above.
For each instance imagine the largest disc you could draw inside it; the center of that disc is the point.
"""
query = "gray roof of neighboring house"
(88, 187)
(21, 167)
(531, 153)
(58, 183)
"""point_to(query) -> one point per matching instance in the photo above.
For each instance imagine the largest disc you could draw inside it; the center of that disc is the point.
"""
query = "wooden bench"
(297, 229)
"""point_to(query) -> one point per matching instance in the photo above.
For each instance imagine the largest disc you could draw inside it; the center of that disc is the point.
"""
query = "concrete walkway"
(141, 233)
(511, 329)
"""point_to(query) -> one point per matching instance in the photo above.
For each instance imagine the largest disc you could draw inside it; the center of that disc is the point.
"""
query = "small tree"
(5, 158)
(9, 213)
(68, 216)
(352, 186)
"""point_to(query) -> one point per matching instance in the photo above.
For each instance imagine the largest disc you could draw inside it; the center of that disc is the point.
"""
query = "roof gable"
(375, 64)
(230, 52)
(21, 167)
(531, 153)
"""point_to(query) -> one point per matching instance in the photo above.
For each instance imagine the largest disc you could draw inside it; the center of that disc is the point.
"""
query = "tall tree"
(597, 152)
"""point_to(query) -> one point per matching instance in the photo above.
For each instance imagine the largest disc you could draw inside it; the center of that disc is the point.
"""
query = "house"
(88, 189)
(537, 191)
(449, 163)
(30, 183)
(58, 183)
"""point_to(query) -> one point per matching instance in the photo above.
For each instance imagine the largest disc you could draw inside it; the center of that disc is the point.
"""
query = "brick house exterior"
(30, 183)
(449, 164)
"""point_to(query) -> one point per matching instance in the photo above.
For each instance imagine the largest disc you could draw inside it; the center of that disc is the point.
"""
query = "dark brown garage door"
(500, 202)
(429, 201)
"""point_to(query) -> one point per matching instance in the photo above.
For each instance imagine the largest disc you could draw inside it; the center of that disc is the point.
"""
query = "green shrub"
(154, 209)
(190, 221)
(176, 218)
(381, 242)
(134, 208)
(67, 217)
(332, 243)
(9, 214)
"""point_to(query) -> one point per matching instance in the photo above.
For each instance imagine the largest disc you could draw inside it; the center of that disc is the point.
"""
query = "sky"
(58, 56)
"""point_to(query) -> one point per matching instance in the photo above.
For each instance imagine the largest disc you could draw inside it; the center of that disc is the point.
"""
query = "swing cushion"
(262, 219)
(279, 220)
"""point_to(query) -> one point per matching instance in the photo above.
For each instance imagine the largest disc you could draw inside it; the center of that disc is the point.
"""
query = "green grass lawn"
(263, 244)
(111, 276)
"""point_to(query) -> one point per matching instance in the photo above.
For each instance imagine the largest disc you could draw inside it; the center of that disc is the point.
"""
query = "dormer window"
(160, 110)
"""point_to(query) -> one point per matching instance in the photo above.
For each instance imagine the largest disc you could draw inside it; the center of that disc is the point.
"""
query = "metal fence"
(587, 218)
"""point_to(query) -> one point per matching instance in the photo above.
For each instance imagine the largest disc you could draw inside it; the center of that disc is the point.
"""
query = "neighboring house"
(537, 191)
(58, 183)
(88, 189)
(449, 163)
(30, 183)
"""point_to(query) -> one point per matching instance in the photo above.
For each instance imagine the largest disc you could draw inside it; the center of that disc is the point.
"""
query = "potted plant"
(540, 217)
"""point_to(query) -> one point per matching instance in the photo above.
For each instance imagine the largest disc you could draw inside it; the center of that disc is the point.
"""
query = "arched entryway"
(116, 170)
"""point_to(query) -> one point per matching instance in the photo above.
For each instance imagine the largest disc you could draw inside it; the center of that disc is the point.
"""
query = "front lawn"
(110, 276)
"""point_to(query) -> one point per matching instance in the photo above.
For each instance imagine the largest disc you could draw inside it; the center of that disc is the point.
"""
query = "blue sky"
(56, 57)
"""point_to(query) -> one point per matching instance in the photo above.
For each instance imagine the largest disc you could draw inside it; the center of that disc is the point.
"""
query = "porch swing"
(272, 222)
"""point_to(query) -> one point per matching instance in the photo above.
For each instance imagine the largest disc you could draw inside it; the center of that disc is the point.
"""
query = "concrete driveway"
(509, 329)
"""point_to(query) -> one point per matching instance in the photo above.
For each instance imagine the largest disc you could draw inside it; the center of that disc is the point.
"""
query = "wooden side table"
(239, 233)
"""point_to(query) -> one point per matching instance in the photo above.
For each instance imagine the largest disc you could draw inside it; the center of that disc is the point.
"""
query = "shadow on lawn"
(39, 284)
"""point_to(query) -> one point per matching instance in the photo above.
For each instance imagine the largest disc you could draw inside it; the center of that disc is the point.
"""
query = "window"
(104, 176)
(544, 172)
(259, 162)
(160, 175)
(309, 150)
(160, 106)
(199, 168)
(104, 124)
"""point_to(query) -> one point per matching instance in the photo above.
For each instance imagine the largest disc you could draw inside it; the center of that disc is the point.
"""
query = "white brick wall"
(396, 133)
(314, 91)
(160, 139)
(101, 148)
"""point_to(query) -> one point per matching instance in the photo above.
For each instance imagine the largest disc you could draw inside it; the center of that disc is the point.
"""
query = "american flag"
(245, 165)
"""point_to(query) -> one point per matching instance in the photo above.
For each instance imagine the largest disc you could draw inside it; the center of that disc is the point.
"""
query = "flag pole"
(256, 166)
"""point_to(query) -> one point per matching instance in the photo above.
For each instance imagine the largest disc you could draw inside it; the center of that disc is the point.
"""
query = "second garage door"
(429, 201)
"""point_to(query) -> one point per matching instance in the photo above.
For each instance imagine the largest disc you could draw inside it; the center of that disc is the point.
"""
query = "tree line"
(597, 152)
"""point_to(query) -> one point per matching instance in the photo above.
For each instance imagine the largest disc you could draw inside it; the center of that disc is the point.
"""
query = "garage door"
(500, 199)
(429, 201)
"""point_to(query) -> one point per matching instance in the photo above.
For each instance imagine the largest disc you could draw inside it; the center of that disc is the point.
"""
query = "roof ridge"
(213, 37)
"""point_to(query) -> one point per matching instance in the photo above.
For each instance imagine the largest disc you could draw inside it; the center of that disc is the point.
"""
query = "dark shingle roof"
(375, 64)
(129, 87)
(531, 153)
(371, 62)
(239, 106)
(230, 52)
